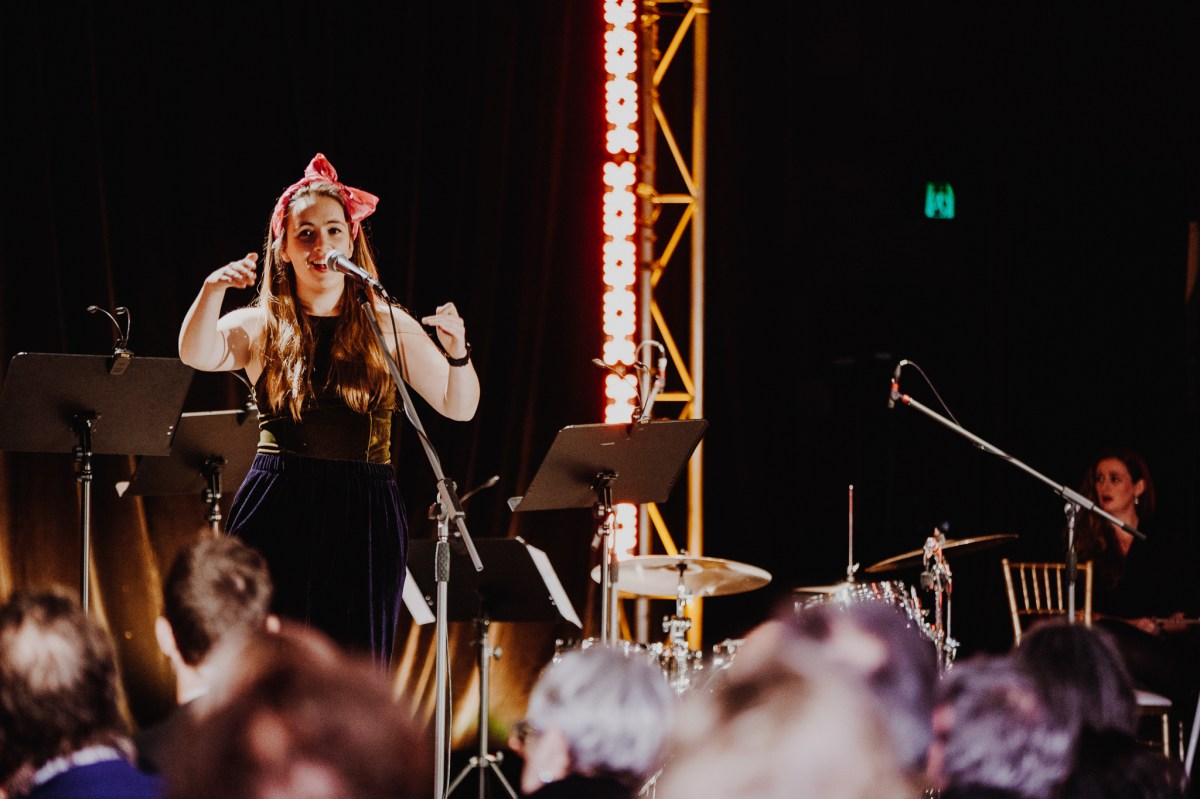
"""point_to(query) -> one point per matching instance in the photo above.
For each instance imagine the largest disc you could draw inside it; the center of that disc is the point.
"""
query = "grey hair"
(614, 710)
(1003, 736)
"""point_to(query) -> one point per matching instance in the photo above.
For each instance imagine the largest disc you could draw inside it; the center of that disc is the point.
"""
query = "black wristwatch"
(463, 361)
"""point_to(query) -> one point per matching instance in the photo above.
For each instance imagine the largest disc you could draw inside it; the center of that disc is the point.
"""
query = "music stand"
(55, 402)
(207, 446)
(600, 465)
(518, 583)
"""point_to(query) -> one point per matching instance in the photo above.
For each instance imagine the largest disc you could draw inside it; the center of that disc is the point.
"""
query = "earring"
(545, 776)
(1135, 500)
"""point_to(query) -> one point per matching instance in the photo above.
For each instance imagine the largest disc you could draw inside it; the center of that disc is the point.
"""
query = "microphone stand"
(1075, 500)
(659, 383)
(448, 510)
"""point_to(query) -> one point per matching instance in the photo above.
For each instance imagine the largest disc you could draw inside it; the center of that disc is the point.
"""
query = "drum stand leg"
(676, 658)
(936, 577)
(484, 761)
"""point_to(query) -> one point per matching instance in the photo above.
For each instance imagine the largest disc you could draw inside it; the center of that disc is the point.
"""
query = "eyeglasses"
(523, 730)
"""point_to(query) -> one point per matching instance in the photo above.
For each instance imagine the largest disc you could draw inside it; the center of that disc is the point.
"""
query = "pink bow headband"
(359, 204)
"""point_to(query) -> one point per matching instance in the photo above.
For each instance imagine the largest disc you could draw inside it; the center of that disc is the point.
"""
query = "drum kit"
(935, 577)
(681, 578)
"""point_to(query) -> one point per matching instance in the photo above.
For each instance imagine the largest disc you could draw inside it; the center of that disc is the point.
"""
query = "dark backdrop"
(146, 144)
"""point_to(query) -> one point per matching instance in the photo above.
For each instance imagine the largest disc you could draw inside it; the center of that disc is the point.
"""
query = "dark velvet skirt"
(335, 535)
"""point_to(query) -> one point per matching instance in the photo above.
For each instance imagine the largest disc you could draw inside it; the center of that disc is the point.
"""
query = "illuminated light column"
(620, 225)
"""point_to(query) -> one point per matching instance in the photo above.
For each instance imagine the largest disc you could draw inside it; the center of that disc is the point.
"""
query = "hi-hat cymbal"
(959, 546)
(661, 576)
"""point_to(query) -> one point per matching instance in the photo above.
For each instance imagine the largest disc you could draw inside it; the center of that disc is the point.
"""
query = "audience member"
(994, 736)
(217, 591)
(1084, 679)
(1114, 765)
(595, 727)
(896, 660)
(876, 643)
(62, 731)
(1081, 673)
(785, 721)
(299, 717)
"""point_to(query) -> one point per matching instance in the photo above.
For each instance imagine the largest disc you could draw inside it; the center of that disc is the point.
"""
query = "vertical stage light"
(620, 224)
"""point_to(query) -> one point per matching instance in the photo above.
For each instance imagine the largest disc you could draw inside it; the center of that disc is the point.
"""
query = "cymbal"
(820, 589)
(959, 546)
(659, 576)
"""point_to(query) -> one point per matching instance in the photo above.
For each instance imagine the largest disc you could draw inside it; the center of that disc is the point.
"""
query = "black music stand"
(600, 465)
(207, 446)
(517, 583)
(77, 403)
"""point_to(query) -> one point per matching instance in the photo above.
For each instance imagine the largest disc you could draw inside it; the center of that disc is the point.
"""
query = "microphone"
(336, 262)
(894, 394)
(620, 370)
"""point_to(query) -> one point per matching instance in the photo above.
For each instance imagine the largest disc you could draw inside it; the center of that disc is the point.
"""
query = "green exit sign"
(939, 200)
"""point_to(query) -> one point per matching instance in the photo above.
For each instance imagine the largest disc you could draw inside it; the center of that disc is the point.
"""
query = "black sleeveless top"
(328, 429)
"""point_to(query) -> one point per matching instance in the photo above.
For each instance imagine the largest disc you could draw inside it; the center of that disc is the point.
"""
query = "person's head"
(217, 588)
(879, 644)
(595, 712)
(300, 717)
(781, 724)
(1118, 479)
(59, 685)
(313, 217)
(994, 731)
(1116, 765)
(1081, 673)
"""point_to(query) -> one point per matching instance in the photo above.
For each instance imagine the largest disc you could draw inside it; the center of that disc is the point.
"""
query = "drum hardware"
(682, 578)
(936, 577)
(890, 592)
(851, 566)
(894, 592)
(846, 587)
(677, 658)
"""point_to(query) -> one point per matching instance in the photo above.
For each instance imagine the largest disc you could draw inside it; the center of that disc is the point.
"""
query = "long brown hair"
(358, 365)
